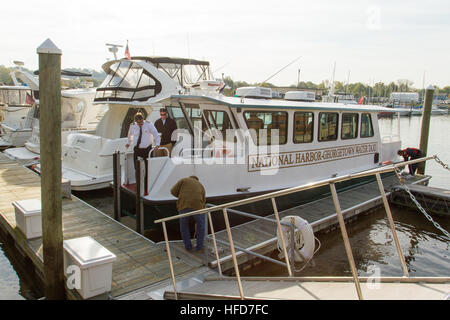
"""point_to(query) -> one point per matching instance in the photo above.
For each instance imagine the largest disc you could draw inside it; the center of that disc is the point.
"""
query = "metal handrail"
(249, 215)
(273, 195)
(284, 192)
(160, 148)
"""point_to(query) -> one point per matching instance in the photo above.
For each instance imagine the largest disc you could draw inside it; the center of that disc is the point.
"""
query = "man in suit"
(139, 136)
(165, 126)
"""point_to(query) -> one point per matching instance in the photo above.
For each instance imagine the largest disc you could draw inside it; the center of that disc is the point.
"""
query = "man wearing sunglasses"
(166, 126)
(139, 136)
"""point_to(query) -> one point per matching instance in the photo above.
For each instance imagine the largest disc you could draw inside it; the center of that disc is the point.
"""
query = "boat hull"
(154, 210)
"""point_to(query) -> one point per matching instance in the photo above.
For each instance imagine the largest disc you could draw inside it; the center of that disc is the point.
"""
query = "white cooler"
(28, 217)
(95, 263)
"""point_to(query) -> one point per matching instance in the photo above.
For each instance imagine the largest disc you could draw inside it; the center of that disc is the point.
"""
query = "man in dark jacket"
(191, 197)
(411, 154)
(165, 126)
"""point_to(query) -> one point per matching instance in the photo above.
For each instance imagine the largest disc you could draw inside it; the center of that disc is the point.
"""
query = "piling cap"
(48, 47)
(430, 87)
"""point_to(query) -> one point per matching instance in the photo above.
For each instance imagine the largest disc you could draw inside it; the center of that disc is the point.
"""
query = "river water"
(425, 248)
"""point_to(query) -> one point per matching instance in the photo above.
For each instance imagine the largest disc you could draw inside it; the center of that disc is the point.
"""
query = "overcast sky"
(246, 40)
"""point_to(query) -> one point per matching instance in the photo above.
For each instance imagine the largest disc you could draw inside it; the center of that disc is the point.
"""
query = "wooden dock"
(261, 236)
(142, 271)
(140, 262)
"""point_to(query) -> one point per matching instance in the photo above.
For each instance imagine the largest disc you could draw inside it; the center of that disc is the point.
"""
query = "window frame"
(272, 112)
(357, 125)
(371, 125)
(100, 94)
(312, 129)
(319, 126)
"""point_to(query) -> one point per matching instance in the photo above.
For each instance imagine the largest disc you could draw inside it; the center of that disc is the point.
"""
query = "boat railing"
(227, 208)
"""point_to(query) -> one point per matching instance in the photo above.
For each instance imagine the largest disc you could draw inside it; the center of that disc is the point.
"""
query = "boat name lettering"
(297, 158)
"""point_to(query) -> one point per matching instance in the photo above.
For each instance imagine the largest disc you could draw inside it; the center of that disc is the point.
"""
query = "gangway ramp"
(341, 288)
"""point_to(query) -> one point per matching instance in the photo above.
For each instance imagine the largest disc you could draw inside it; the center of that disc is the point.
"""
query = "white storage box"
(28, 217)
(95, 263)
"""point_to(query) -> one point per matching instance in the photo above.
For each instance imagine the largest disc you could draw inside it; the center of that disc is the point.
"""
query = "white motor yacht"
(77, 114)
(17, 113)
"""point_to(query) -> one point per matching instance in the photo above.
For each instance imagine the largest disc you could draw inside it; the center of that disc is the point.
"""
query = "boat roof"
(183, 61)
(156, 61)
(69, 73)
(236, 102)
(15, 88)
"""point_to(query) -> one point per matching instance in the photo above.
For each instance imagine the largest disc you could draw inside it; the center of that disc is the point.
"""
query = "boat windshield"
(16, 97)
(127, 81)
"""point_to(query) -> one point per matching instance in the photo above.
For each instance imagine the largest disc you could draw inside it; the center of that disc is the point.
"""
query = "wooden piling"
(117, 184)
(139, 194)
(425, 126)
(50, 141)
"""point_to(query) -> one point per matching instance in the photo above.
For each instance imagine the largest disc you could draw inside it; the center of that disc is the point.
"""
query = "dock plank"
(140, 262)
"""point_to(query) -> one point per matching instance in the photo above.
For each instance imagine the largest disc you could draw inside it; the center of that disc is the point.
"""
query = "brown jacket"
(190, 193)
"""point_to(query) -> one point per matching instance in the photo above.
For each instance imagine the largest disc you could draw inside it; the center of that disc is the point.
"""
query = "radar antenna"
(114, 48)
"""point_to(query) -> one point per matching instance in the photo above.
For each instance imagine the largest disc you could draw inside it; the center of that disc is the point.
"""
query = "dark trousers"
(200, 222)
(143, 153)
(413, 167)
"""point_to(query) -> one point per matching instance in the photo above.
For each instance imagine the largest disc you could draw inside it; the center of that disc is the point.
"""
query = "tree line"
(358, 89)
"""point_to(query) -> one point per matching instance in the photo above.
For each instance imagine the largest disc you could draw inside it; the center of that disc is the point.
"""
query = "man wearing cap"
(165, 126)
(139, 136)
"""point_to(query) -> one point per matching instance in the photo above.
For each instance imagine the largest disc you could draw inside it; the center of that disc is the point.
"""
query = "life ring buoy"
(304, 239)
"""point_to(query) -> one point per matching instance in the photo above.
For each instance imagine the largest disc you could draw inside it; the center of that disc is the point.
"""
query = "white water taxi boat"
(237, 146)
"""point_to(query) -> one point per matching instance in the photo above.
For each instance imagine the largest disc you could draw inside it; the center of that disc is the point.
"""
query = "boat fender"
(304, 239)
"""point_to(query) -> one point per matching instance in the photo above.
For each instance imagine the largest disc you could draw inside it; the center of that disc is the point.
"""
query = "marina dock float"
(433, 200)
(140, 262)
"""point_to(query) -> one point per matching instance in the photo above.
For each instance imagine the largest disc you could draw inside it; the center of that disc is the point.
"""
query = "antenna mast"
(114, 48)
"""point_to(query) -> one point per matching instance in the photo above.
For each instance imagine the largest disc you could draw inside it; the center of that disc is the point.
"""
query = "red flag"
(361, 101)
(127, 52)
(29, 100)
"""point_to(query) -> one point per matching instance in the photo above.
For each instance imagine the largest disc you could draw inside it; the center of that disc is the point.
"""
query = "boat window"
(193, 112)
(261, 120)
(218, 120)
(177, 114)
(120, 74)
(366, 126)
(349, 126)
(128, 81)
(328, 126)
(304, 127)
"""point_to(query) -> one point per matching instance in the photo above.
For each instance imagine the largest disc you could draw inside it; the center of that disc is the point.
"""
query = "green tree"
(5, 77)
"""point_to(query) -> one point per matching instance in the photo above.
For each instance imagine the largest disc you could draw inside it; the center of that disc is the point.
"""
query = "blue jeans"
(186, 232)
